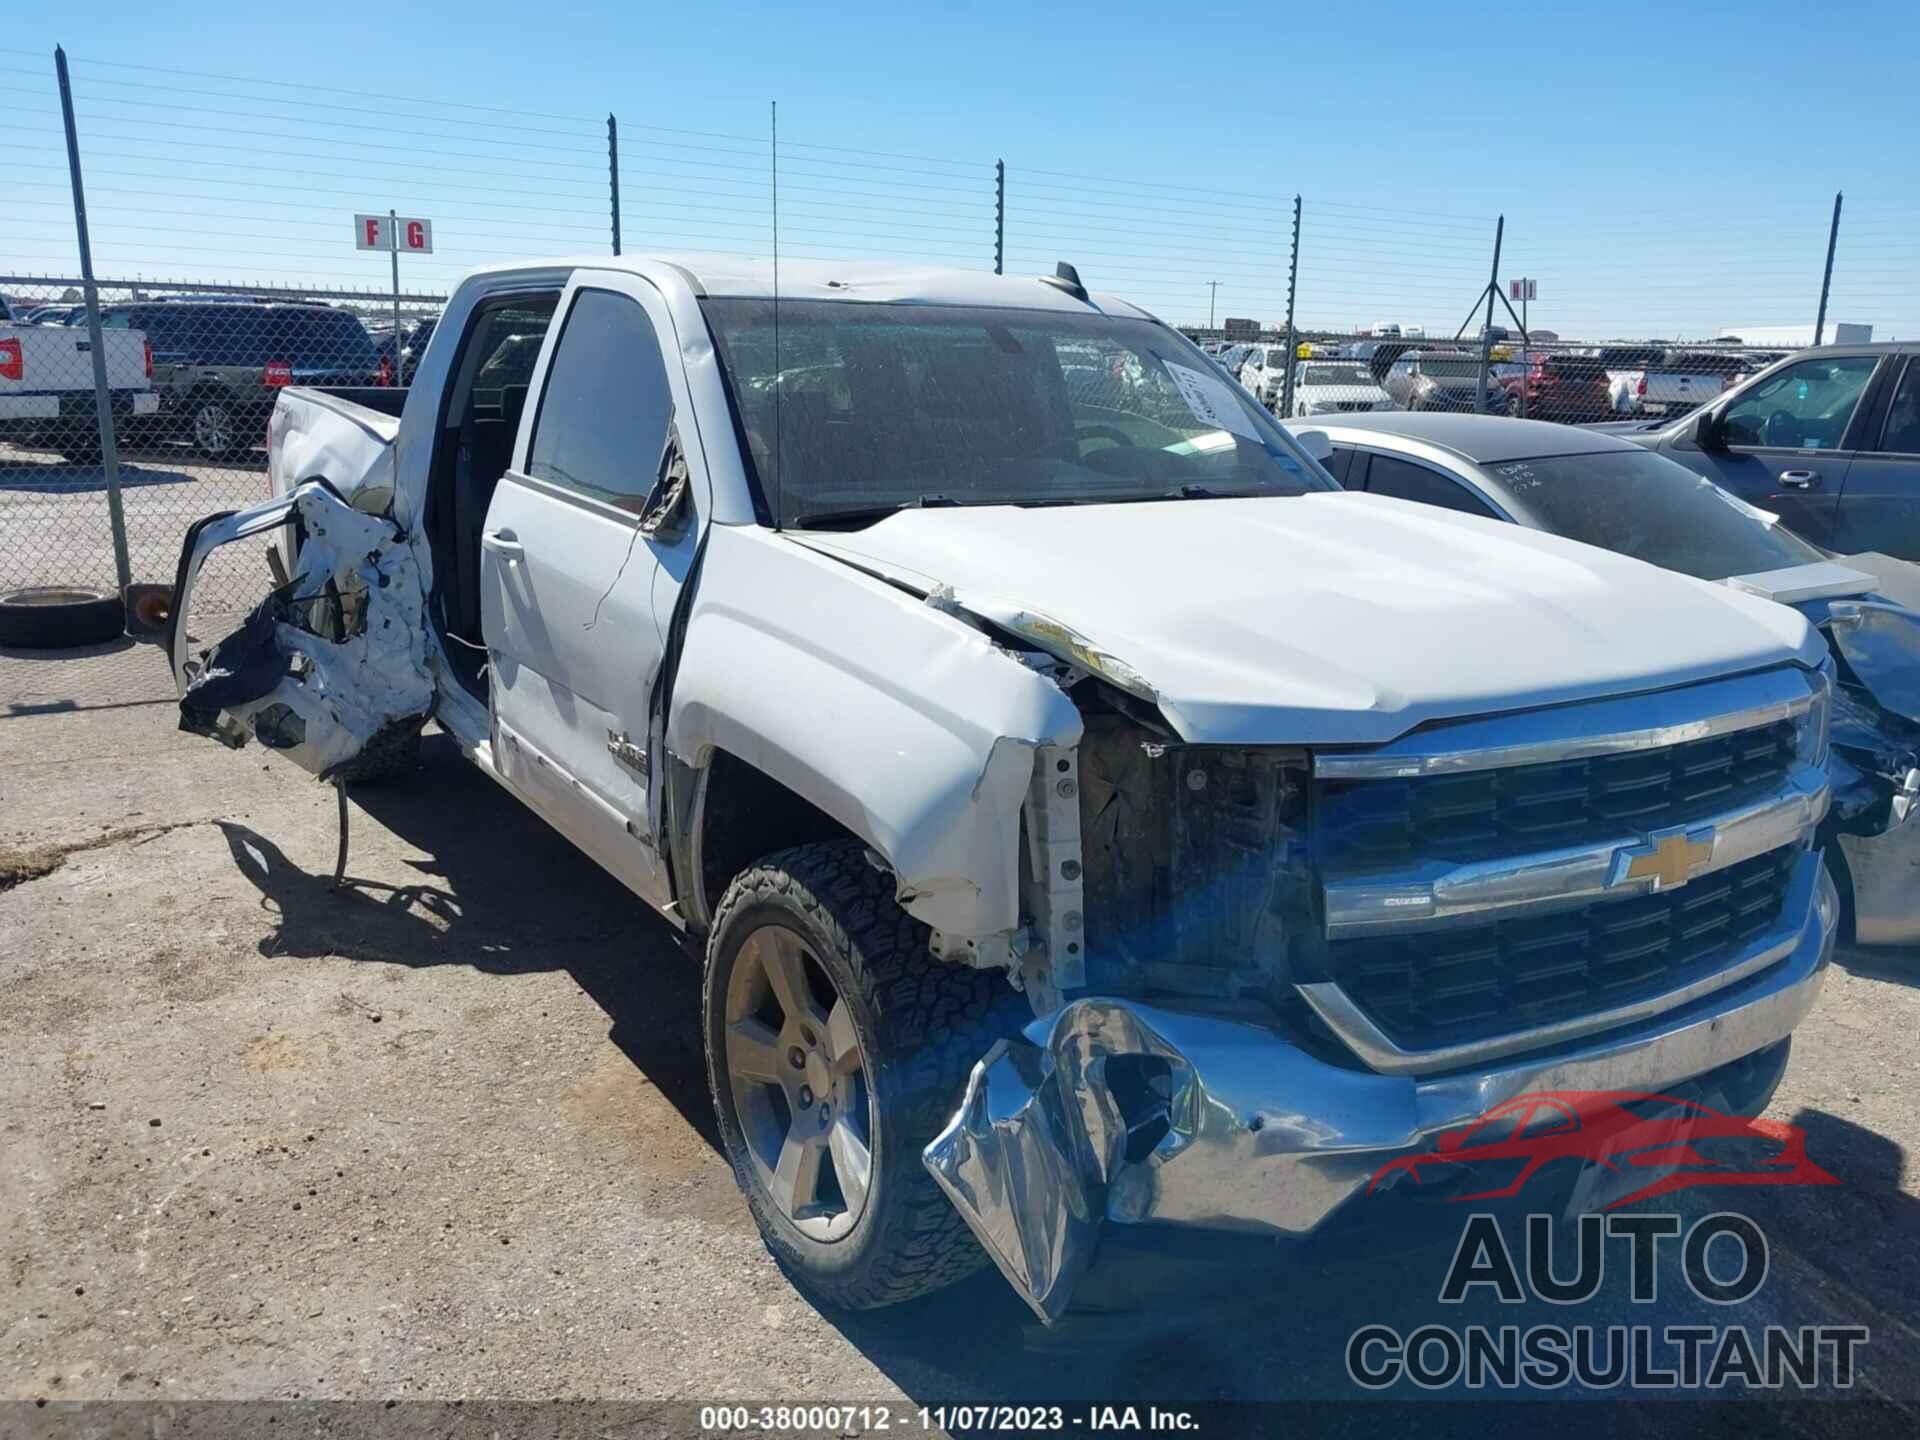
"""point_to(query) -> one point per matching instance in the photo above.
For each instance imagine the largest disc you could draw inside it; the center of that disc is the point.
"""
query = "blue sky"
(1663, 170)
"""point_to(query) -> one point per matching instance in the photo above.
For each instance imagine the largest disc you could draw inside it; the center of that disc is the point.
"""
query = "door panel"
(576, 593)
(1787, 441)
(1880, 505)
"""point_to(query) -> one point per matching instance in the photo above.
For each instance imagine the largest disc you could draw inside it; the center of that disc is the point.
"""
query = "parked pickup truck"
(46, 385)
(1086, 811)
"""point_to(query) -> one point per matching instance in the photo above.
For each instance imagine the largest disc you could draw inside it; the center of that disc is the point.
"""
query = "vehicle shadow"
(505, 894)
(1895, 964)
(78, 479)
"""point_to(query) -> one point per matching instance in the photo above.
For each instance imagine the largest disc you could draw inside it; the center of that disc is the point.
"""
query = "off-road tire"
(60, 617)
(922, 1025)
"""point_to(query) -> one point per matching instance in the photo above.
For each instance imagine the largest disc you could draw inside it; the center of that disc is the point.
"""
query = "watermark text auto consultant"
(1723, 1258)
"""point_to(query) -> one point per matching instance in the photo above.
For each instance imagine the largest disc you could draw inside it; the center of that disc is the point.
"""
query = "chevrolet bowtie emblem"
(1667, 859)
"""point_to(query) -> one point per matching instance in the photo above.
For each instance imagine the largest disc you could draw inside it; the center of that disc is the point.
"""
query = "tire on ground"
(55, 617)
(922, 1024)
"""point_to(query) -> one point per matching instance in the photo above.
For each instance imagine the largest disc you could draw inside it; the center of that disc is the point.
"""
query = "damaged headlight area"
(331, 667)
(1198, 876)
(1875, 707)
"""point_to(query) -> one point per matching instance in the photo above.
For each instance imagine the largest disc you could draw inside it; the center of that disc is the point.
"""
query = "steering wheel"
(1783, 428)
(1084, 433)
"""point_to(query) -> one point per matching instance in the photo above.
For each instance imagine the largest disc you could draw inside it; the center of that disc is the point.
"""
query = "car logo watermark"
(1675, 1144)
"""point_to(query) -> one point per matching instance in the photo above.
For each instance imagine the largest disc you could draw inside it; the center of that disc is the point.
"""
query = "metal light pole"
(393, 239)
(1213, 290)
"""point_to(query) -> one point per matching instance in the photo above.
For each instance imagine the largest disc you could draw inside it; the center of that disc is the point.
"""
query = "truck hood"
(1332, 617)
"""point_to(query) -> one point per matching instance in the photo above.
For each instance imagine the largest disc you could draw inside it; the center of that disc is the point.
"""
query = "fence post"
(1486, 325)
(1293, 276)
(1826, 281)
(613, 174)
(102, 396)
(999, 216)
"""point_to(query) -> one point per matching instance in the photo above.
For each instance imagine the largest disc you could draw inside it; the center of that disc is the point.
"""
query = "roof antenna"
(774, 113)
(1066, 278)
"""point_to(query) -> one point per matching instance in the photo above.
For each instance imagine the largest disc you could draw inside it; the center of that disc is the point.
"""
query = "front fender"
(901, 721)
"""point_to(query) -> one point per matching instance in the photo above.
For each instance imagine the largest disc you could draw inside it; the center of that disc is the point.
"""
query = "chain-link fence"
(1571, 383)
(191, 378)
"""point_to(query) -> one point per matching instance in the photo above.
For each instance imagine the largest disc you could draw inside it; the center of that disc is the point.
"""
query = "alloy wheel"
(799, 1083)
(213, 429)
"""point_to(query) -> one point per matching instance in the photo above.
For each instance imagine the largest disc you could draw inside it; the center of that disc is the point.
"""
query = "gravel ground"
(445, 1133)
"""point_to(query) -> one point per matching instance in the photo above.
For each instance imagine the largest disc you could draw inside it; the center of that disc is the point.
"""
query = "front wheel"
(837, 1047)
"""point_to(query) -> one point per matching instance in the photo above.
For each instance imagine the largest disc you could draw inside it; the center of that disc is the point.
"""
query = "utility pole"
(1213, 290)
(1826, 282)
(1293, 278)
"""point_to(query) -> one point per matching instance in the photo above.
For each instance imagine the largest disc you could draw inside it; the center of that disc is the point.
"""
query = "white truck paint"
(46, 377)
(953, 724)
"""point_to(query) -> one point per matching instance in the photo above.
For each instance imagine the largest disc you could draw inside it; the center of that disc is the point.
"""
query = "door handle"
(503, 543)
(1800, 479)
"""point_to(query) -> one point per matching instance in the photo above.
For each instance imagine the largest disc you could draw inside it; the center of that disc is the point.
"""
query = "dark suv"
(219, 364)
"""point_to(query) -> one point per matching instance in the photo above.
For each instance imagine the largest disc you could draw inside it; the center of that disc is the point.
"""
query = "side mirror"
(1316, 443)
(1708, 433)
(665, 513)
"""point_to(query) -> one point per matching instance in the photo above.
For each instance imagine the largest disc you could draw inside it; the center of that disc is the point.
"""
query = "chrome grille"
(1455, 986)
(1362, 825)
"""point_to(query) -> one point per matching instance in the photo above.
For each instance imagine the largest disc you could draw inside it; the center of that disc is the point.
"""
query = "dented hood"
(1333, 617)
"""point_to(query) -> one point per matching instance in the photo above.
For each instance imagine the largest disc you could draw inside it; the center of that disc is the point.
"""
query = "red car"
(1571, 389)
(1623, 1131)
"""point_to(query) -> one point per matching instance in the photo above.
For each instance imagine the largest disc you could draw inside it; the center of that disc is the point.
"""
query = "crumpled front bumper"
(1110, 1109)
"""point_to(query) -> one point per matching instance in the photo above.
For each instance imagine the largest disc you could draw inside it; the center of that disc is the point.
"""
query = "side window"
(602, 423)
(1406, 481)
(1340, 462)
(1803, 407)
(1902, 433)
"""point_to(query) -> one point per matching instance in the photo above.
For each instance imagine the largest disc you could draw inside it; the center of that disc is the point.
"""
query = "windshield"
(882, 406)
(1336, 375)
(1649, 507)
(1448, 368)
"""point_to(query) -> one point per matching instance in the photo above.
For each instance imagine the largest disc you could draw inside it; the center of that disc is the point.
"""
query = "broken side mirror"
(1708, 433)
(667, 508)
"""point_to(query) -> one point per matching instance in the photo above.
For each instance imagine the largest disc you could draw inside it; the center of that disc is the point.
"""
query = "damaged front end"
(1876, 764)
(1117, 1110)
(1290, 968)
(330, 671)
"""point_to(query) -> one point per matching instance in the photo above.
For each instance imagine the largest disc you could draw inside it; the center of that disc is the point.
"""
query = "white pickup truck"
(1086, 811)
(46, 385)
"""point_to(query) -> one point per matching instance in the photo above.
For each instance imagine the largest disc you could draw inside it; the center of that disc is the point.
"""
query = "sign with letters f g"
(409, 235)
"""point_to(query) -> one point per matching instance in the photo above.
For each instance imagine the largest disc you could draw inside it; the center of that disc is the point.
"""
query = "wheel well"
(746, 814)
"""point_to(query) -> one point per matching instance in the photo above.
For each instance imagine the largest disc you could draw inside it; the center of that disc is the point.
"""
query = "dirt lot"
(445, 1133)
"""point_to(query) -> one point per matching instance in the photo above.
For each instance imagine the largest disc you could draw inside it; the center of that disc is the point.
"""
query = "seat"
(485, 452)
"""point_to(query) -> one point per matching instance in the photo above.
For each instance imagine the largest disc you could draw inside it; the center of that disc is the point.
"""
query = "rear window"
(305, 338)
(1641, 504)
